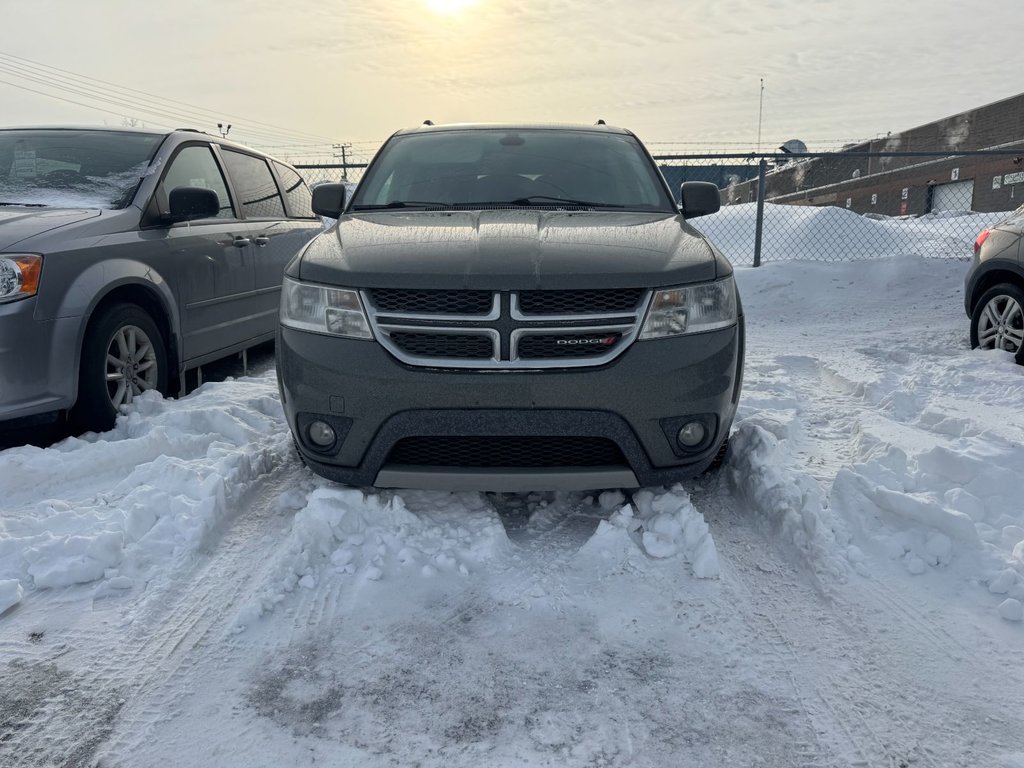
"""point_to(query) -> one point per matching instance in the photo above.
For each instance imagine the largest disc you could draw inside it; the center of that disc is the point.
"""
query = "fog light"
(691, 434)
(321, 434)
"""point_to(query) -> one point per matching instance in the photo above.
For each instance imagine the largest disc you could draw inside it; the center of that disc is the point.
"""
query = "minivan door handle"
(261, 240)
(240, 242)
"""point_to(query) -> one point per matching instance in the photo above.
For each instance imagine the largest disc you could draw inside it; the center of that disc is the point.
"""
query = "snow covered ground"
(847, 592)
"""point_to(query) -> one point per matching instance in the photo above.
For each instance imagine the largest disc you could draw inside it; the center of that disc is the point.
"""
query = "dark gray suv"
(128, 257)
(511, 308)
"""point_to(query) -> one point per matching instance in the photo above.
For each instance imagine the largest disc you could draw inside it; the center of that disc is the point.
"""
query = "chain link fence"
(836, 206)
(332, 172)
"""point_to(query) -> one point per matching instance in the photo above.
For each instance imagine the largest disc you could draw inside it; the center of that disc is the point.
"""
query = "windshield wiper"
(541, 199)
(26, 205)
(402, 204)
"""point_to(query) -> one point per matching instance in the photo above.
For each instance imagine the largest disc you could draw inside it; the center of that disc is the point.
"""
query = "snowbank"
(862, 376)
(109, 506)
(830, 233)
(341, 533)
(938, 489)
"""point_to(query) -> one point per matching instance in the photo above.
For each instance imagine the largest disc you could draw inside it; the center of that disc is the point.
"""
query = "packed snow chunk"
(659, 525)
(610, 500)
(1004, 582)
(939, 548)
(11, 593)
(915, 565)
(74, 559)
(788, 501)
(1011, 610)
(960, 500)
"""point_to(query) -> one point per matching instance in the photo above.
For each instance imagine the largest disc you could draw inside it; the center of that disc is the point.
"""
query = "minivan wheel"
(998, 320)
(123, 355)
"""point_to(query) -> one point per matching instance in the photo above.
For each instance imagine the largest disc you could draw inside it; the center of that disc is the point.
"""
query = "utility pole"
(760, 115)
(224, 130)
(340, 153)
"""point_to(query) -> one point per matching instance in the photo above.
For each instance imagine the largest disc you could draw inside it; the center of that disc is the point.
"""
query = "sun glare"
(449, 7)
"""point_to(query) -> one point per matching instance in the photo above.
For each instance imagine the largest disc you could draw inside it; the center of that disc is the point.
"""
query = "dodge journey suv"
(511, 308)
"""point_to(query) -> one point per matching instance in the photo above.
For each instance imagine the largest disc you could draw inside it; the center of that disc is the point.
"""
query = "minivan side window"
(196, 167)
(300, 199)
(255, 185)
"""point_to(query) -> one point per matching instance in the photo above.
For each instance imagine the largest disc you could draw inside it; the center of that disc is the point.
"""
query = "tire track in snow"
(127, 666)
(903, 697)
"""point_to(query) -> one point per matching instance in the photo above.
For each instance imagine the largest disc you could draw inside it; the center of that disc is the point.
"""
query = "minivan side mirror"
(699, 198)
(190, 203)
(329, 200)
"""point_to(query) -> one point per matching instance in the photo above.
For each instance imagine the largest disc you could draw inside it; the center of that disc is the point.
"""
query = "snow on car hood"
(509, 249)
(19, 223)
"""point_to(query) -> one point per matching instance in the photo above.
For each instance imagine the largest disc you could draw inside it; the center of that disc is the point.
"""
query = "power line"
(280, 130)
(174, 117)
(71, 101)
(83, 85)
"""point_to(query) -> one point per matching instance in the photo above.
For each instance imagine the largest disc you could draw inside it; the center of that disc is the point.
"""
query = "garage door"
(957, 196)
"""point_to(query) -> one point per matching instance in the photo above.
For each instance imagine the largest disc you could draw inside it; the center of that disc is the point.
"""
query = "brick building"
(911, 185)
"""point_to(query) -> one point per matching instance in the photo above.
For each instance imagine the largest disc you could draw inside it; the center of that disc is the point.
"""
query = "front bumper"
(374, 401)
(38, 361)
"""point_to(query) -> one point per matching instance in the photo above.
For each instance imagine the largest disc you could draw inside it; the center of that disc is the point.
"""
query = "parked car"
(511, 308)
(994, 287)
(128, 257)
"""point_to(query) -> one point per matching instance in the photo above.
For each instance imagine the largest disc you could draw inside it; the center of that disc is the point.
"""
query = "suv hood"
(17, 224)
(508, 249)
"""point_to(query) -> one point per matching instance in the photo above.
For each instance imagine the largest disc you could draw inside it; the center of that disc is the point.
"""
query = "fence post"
(762, 169)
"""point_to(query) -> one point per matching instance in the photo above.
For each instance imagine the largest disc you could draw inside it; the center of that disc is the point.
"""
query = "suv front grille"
(506, 329)
(579, 302)
(456, 346)
(431, 302)
(506, 451)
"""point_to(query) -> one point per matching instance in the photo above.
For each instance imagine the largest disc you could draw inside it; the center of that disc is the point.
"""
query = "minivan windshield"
(497, 167)
(73, 168)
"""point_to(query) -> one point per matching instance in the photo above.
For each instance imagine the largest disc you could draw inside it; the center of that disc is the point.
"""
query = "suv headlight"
(19, 276)
(321, 309)
(691, 309)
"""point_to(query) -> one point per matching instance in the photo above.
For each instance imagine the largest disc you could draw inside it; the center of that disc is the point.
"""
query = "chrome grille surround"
(506, 326)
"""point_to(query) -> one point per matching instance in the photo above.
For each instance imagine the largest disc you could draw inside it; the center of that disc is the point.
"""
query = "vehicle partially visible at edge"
(994, 287)
(130, 256)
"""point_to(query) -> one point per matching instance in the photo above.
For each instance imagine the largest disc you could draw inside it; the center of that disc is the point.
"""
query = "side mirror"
(329, 200)
(699, 198)
(190, 203)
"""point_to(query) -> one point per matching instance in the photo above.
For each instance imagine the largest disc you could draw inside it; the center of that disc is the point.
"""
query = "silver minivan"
(129, 257)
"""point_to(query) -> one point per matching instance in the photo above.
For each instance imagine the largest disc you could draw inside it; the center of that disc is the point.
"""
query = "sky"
(678, 72)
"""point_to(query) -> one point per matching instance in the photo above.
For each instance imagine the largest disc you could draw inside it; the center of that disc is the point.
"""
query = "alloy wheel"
(131, 367)
(1001, 325)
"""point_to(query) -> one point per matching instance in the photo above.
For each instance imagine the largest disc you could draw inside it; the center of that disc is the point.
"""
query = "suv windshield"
(491, 167)
(73, 168)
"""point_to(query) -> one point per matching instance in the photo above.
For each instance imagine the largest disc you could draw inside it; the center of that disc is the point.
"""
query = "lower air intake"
(506, 451)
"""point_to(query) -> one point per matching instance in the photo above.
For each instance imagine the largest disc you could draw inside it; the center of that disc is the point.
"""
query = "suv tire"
(127, 335)
(998, 320)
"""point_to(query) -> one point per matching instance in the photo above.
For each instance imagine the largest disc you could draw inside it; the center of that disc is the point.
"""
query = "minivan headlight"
(691, 309)
(19, 276)
(321, 309)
